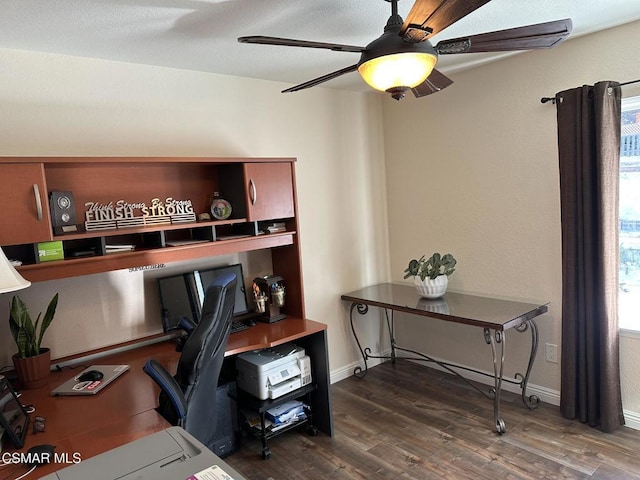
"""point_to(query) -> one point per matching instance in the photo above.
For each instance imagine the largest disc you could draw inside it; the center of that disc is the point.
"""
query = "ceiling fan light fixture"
(389, 73)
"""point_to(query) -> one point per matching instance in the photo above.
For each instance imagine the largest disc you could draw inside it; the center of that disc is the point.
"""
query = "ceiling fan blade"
(428, 17)
(541, 35)
(322, 79)
(287, 42)
(435, 82)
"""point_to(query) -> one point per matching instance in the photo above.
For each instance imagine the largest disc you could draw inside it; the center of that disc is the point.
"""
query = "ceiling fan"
(403, 58)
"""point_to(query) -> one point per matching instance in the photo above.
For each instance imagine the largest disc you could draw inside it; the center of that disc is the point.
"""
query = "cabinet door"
(270, 191)
(23, 214)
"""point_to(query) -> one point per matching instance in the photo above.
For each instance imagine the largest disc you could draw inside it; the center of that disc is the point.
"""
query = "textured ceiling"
(201, 34)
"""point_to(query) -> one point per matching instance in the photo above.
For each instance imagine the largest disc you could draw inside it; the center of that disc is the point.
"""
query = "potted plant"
(431, 275)
(32, 362)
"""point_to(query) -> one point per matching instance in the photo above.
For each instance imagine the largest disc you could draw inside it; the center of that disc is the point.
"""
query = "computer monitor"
(178, 301)
(208, 276)
(182, 295)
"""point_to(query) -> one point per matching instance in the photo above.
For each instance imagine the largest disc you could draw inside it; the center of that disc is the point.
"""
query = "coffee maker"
(268, 293)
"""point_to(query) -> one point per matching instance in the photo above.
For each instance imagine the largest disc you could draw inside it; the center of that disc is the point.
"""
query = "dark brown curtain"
(589, 155)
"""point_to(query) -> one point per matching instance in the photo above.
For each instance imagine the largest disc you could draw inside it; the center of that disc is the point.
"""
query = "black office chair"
(188, 398)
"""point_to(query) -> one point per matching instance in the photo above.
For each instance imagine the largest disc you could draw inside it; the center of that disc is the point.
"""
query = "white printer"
(272, 372)
(166, 455)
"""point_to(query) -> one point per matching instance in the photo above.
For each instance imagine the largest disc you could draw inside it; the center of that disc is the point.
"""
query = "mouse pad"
(75, 386)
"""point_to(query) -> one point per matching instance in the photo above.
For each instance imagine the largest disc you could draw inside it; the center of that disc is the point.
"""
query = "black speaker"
(63, 212)
(227, 436)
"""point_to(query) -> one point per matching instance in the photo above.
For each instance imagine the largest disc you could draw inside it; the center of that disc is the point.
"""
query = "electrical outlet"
(551, 352)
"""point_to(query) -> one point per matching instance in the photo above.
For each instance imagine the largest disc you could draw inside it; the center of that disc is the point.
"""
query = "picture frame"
(13, 416)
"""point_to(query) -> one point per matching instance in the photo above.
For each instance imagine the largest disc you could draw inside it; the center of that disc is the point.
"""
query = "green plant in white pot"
(431, 275)
(32, 360)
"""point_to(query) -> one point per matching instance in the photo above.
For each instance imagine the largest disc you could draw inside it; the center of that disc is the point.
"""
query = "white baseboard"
(632, 419)
(547, 395)
(347, 370)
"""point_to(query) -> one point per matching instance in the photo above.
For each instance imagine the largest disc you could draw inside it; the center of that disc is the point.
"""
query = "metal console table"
(494, 316)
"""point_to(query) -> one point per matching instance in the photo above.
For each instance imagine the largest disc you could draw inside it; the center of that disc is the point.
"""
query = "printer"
(169, 454)
(272, 372)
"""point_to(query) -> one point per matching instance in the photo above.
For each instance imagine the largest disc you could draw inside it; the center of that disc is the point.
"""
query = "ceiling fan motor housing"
(390, 43)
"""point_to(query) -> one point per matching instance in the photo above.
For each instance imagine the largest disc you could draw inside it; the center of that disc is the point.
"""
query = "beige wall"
(57, 105)
(473, 170)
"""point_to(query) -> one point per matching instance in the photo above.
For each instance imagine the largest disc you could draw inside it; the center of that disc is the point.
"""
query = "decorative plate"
(220, 209)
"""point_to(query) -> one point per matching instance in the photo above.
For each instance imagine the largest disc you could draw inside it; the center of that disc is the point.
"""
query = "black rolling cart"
(248, 402)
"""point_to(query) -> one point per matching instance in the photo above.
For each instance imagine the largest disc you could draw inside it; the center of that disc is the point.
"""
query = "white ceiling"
(201, 34)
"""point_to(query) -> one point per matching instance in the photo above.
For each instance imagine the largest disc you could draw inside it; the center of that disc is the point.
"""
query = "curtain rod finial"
(548, 99)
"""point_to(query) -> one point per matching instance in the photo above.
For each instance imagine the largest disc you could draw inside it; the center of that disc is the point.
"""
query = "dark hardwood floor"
(412, 422)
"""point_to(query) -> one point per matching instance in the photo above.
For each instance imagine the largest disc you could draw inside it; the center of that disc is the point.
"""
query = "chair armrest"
(187, 325)
(168, 385)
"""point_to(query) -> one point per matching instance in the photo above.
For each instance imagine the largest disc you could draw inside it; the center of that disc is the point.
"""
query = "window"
(629, 291)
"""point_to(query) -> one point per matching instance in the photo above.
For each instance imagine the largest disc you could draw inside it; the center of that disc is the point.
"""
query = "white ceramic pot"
(429, 288)
(436, 305)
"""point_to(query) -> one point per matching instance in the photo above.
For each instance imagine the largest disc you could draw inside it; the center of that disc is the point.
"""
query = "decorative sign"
(121, 214)
(146, 267)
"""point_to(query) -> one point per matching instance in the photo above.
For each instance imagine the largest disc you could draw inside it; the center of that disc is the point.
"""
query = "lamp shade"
(10, 279)
(391, 64)
(408, 70)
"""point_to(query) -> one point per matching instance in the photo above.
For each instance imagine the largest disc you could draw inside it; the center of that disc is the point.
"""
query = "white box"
(304, 364)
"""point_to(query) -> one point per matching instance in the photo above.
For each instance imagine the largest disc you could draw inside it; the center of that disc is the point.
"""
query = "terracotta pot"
(33, 372)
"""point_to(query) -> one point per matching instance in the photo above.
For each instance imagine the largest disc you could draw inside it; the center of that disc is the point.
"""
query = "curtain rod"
(553, 99)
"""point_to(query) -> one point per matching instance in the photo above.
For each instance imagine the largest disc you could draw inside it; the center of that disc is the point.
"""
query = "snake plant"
(27, 335)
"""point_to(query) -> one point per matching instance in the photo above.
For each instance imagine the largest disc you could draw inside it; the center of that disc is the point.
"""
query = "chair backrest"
(202, 356)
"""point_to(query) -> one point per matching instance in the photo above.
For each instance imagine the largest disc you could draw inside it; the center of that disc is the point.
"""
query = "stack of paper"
(286, 413)
(118, 248)
(276, 227)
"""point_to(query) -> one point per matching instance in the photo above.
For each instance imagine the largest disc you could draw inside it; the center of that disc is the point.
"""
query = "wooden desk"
(494, 316)
(125, 410)
(265, 335)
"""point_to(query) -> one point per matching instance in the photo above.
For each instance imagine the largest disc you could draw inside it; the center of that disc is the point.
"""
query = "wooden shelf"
(267, 335)
(149, 257)
(261, 191)
(147, 160)
(147, 229)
